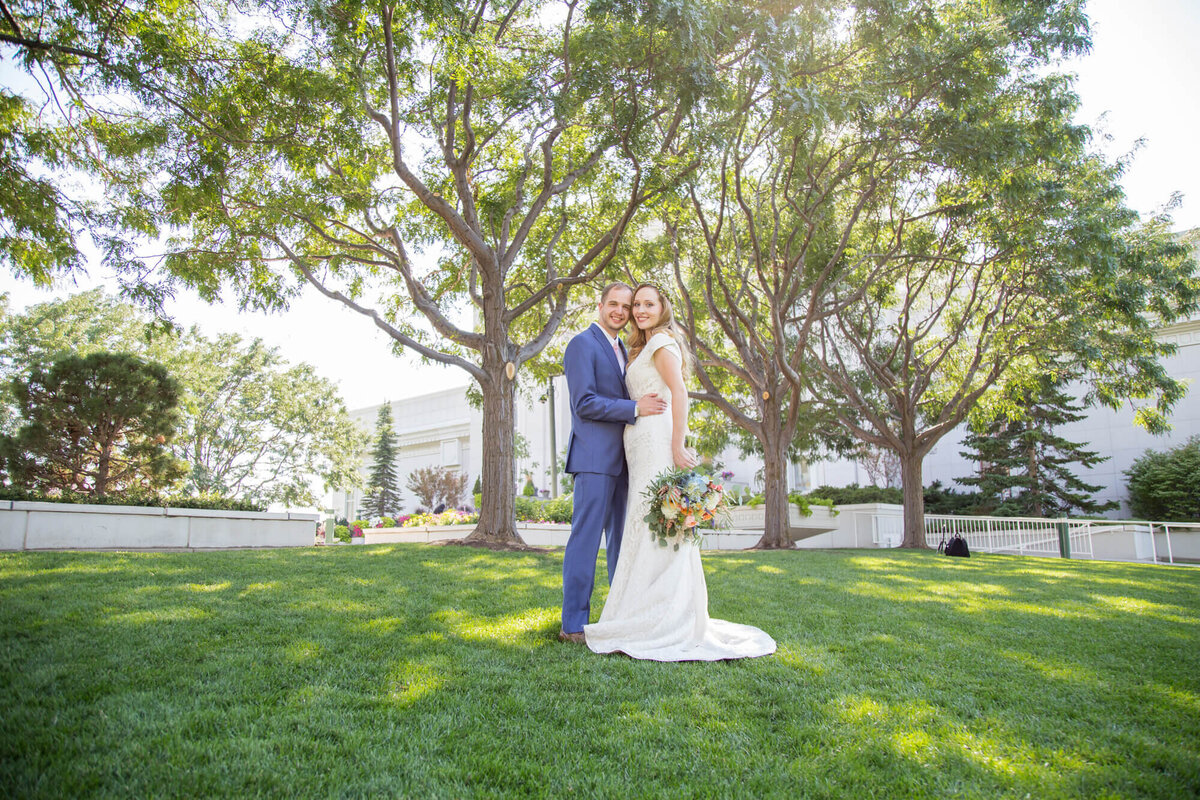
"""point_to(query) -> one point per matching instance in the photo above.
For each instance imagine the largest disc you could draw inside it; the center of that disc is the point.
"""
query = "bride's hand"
(684, 458)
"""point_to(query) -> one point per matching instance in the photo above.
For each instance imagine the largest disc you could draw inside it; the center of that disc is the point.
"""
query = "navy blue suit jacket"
(600, 404)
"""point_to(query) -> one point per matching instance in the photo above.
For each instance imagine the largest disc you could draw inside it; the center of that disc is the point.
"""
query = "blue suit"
(600, 410)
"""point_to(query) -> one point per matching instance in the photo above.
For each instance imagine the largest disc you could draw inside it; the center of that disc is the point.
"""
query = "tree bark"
(776, 535)
(497, 516)
(914, 499)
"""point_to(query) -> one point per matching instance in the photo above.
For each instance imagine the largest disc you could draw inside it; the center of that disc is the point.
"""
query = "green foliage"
(1025, 468)
(529, 489)
(855, 494)
(136, 497)
(802, 502)
(1013, 676)
(941, 499)
(250, 424)
(265, 138)
(93, 425)
(555, 510)
(383, 496)
(938, 498)
(38, 220)
(1165, 485)
(342, 533)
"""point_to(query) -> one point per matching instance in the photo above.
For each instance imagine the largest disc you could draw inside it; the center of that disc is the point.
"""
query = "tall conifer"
(1025, 468)
(383, 494)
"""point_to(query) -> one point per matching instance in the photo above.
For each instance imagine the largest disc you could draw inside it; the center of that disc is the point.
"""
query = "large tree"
(449, 171)
(249, 423)
(901, 218)
(1038, 268)
(1025, 466)
(94, 425)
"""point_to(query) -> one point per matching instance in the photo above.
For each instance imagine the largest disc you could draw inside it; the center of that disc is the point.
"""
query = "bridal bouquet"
(679, 501)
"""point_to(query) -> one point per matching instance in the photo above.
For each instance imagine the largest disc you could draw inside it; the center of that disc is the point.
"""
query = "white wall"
(65, 526)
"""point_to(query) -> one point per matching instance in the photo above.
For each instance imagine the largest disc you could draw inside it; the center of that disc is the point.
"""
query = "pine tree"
(383, 496)
(1025, 468)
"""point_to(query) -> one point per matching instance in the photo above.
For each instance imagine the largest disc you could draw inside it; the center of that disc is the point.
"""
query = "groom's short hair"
(610, 287)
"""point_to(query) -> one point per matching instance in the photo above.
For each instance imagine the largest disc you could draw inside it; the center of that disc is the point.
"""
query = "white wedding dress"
(657, 607)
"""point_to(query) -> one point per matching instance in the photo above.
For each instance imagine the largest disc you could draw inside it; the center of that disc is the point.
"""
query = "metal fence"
(1110, 540)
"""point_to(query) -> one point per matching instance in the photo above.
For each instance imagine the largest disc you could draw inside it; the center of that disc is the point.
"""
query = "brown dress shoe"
(576, 638)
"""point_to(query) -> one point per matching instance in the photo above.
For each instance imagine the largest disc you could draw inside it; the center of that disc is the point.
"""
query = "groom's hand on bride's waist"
(650, 404)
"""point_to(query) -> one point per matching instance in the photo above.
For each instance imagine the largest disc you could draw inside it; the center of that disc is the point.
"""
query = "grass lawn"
(421, 671)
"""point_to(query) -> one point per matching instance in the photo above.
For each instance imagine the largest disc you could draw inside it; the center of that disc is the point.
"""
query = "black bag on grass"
(957, 546)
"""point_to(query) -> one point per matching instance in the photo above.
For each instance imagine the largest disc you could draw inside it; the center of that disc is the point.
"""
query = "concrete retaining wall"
(65, 526)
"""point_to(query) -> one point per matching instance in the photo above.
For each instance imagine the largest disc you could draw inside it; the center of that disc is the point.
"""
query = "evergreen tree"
(95, 425)
(1025, 468)
(383, 496)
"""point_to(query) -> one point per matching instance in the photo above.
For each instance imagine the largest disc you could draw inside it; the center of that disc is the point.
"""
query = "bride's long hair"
(666, 324)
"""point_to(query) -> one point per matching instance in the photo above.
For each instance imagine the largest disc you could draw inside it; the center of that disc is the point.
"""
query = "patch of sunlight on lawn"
(301, 651)
(1188, 702)
(410, 682)
(1135, 605)
(767, 568)
(921, 732)
(803, 659)
(520, 627)
(156, 615)
(880, 562)
(525, 572)
(383, 625)
(259, 587)
(902, 594)
(1067, 672)
(207, 587)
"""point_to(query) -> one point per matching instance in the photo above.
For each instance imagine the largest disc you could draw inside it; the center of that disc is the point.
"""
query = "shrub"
(938, 499)
(532, 510)
(802, 502)
(1165, 485)
(853, 495)
(449, 517)
(387, 522)
(136, 497)
(342, 533)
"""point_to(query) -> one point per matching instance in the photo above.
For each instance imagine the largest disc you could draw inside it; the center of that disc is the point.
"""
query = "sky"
(1138, 88)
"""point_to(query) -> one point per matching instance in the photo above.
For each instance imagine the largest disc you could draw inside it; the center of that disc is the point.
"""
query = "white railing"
(1112, 540)
(1027, 536)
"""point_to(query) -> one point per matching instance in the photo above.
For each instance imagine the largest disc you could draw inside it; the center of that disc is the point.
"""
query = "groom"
(600, 409)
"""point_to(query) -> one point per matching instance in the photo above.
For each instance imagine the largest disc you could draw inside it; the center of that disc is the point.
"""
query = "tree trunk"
(914, 499)
(776, 535)
(497, 517)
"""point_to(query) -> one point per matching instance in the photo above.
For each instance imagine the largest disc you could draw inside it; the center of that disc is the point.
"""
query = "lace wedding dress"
(657, 607)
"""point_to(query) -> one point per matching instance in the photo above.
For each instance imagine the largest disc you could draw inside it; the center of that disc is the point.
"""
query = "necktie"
(617, 351)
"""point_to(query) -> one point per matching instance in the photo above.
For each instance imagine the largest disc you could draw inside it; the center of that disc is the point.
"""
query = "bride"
(657, 607)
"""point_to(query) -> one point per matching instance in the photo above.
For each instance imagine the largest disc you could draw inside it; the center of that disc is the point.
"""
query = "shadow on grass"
(421, 671)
